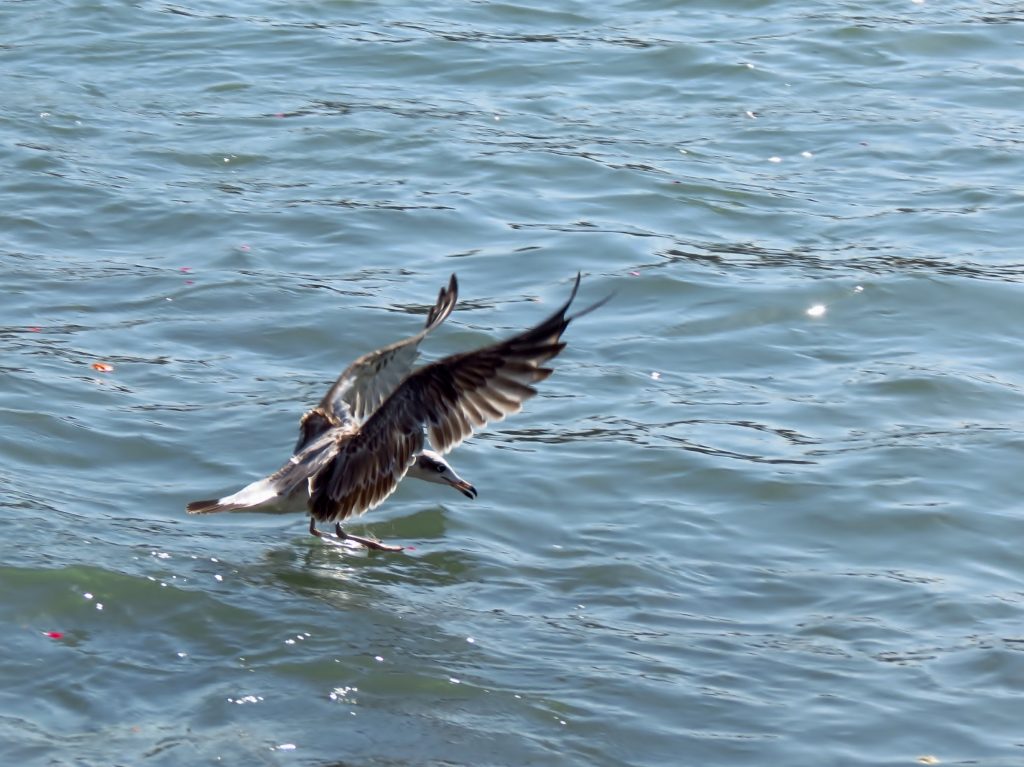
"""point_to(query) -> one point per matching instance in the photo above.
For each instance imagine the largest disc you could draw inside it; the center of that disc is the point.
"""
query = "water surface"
(765, 512)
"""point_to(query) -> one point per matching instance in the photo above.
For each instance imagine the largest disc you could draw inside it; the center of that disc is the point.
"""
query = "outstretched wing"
(368, 381)
(449, 399)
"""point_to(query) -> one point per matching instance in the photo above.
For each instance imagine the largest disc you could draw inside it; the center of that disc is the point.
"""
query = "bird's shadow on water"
(325, 568)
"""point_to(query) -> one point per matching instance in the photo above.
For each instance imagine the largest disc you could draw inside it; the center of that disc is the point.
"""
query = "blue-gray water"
(767, 510)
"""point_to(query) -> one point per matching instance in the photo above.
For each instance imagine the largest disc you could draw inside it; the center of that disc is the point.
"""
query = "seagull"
(371, 429)
(359, 390)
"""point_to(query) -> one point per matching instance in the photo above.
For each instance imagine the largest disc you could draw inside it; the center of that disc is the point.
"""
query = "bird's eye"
(439, 468)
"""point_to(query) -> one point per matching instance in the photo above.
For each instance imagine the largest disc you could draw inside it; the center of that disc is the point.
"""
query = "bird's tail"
(253, 496)
(206, 507)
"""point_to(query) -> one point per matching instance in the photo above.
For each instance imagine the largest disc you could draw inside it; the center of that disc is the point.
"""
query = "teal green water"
(767, 510)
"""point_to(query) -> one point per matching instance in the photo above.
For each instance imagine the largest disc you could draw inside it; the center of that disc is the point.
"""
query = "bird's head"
(430, 466)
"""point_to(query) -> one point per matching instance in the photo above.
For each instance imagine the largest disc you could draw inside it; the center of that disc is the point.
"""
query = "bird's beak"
(465, 488)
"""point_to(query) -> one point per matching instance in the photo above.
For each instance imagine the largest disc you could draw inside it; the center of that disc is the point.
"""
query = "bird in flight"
(372, 427)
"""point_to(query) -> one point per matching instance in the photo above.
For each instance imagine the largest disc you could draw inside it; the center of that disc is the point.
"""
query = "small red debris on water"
(35, 329)
(190, 282)
(54, 634)
(103, 367)
(410, 548)
(185, 269)
(244, 248)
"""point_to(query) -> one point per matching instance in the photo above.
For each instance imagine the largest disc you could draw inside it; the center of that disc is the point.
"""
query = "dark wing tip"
(575, 288)
(589, 309)
(592, 307)
(558, 316)
(446, 298)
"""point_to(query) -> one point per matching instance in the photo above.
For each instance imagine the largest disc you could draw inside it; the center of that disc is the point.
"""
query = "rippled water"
(765, 512)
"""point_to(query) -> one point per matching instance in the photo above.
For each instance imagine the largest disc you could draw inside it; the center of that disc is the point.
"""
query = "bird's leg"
(343, 536)
(369, 543)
